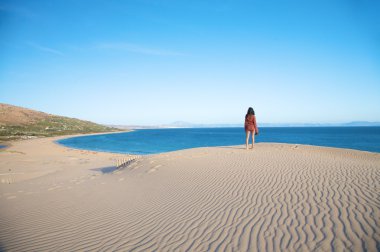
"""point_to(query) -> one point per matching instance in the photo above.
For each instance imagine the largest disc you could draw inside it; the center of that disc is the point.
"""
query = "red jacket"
(250, 123)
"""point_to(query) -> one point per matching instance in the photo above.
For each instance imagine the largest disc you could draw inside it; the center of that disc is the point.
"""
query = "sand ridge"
(276, 197)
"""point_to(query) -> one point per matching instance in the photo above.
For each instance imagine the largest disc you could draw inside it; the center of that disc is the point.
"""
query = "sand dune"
(277, 197)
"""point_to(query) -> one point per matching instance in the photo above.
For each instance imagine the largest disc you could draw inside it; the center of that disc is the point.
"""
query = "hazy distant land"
(182, 124)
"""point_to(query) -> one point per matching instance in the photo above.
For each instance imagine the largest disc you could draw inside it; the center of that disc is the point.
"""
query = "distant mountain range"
(182, 124)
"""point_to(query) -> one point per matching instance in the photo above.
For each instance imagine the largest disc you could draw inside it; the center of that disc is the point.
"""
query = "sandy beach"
(276, 197)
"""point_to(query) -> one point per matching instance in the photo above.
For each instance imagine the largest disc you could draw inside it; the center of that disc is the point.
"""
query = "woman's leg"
(253, 138)
(246, 139)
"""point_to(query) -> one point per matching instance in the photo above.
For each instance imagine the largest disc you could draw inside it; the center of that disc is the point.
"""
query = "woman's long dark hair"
(250, 111)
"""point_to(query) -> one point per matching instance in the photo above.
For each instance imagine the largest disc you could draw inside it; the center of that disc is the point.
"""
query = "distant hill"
(362, 123)
(22, 123)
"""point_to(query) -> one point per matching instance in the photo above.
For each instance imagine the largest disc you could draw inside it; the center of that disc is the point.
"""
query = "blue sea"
(151, 141)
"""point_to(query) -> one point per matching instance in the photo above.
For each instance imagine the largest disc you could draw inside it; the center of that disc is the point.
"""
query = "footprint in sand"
(154, 169)
(136, 167)
(4, 181)
(53, 188)
(121, 179)
(11, 197)
(94, 176)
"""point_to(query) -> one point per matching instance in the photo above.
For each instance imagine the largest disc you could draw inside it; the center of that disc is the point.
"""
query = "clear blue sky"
(153, 62)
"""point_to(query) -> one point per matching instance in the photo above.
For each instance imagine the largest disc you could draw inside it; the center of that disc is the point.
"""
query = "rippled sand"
(275, 197)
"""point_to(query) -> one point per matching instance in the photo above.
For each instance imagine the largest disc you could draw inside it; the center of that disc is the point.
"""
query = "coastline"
(91, 134)
(156, 141)
(32, 158)
(279, 196)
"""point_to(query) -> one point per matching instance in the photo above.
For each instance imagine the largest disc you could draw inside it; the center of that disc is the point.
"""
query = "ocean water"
(164, 140)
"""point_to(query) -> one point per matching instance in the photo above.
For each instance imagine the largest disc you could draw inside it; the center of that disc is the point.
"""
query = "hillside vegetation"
(22, 123)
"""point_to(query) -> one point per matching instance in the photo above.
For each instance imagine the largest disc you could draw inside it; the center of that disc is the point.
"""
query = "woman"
(250, 126)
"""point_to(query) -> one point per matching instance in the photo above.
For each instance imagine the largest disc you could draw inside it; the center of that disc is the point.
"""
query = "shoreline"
(91, 134)
(54, 140)
(126, 153)
(8, 144)
(55, 150)
(44, 156)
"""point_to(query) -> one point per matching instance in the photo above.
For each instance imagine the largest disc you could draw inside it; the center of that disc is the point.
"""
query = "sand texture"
(277, 197)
